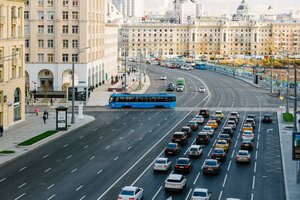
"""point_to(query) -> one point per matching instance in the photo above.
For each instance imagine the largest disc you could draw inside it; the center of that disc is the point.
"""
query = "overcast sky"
(218, 7)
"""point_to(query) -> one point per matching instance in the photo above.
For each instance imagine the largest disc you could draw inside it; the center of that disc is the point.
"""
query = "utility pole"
(140, 76)
(287, 88)
(295, 97)
(144, 65)
(272, 66)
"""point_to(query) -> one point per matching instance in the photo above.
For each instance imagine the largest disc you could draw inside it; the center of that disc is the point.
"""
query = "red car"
(267, 118)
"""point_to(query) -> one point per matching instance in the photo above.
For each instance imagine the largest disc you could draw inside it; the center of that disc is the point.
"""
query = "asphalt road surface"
(119, 147)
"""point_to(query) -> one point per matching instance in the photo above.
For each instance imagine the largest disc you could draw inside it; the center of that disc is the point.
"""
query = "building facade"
(12, 66)
(58, 33)
(133, 8)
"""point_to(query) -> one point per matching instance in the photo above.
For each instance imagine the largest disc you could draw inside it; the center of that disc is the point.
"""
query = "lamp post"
(73, 89)
(125, 79)
(140, 75)
(144, 65)
(288, 84)
(272, 66)
(295, 97)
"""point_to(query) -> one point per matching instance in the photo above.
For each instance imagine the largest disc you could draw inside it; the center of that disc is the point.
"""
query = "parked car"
(193, 125)
(202, 138)
(243, 156)
(267, 118)
(172, 148)
(175, 182)
(228, 130)
(180, 138)
(162, 164)
(195, 151)
(187, 130)
(219, 154)
(183, 165)
(131, 193)
(201, 194)
(204, 113)
(211, 166)
(209, 130)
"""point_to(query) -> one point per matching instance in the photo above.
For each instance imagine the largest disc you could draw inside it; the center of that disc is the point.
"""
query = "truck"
(180, 81)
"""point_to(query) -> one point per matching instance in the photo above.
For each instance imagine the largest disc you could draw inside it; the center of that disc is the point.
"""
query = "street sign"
(81, 93)
(296, 146)
(281, 98)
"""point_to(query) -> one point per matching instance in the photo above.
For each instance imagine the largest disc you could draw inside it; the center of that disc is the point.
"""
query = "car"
(202, 138)
(233, 118)
(219, 154)
(183, 165)
(131, 193)
(216, 118)
(248, 135)
(250, 121)
(236, 114)
(228, 130)
(172, 148)
(231, 124)
(199, 119)
(187, 130)
(247, 127)
(211, 166)
(195, 151)
(202, 89)
(162, 164)
(175, 182)
(267, 118)
(222, 144)
(204, 113)
(247, 144)
(219, 114)
(180, 138)
(213, 123)
(201, 194)
(171, 86)
(180, 88)
(224, 136)
(209, 130)
(251, 116)
(243, 156)
(163, 77)
(193, 125)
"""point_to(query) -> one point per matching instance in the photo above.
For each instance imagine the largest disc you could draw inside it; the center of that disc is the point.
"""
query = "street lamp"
(73, 90)
(125, 54)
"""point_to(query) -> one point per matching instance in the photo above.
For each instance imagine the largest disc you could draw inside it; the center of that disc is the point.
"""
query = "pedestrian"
(299, 122)
(36, 111)
(1, 130)
(51, 102)
(44, 118)
(46, 114)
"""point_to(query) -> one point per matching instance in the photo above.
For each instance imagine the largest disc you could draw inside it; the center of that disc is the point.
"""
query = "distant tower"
(242, 11)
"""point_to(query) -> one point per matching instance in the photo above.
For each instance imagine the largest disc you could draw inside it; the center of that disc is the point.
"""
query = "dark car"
(211, 166)
(171, 86)
(228, 130)
(187, 130)
(216, 118)
(204, 113)
(172, 148)
(224, 136)
(193, 125)
(267, 118)
(250, 121)
(231, 124)
(233, 118)
(183, 165)
(252, 116)
(180, 138)
(236, 114)
(219, 154)
(247, 144)
(202, 138)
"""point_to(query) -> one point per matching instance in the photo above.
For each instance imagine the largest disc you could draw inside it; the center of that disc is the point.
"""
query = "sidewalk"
(33, 126)
(292, 188)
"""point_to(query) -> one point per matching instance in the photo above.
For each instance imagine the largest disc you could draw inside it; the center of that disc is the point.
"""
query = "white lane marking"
(220, 196)
(228, 168)
(196, 178)
(120, 138)
(126, 112)
(2, 180)
(100, 137)
(74, 170)
(254, 167)
(235, 144)
(129, 147)
(232, 153)
(257, 145)
(81, 137)
(215, 142)
(187, 196)
(22, 169)
(253, 182)
(107, 147)
(20, 196)
(45, 156)
(107, 123)
(47, 170)
(258, 137)
(51, 197)
(92, 157)
(95, 129)
(142, 112)
(116, 158)
(155, 195)
(252, 196)
(189, 148)
(256, 155)
(65, 145)
(82, 197)
(86, 146)
(117, 117)
(20, 186)
(79, 187)
(239, 135)
(150, 131)
(113, 130)
(149, 118)
(141, 124)
(69, 157)
(140, 139)
(124, 123)
(133, 118)
(209, 152)
(132, 131)
(166, 119)
(158, 125)
(50, 186)
(99, 171)
(224, 182)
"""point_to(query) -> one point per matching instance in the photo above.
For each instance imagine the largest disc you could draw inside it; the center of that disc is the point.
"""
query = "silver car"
(201, 194)
(243, 156)
(131, 192)
(180, 88)
(202, 89)
(175, 182)
(162, 164)
(195, 151)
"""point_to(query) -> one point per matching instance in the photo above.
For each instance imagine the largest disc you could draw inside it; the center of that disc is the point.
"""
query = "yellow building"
(12, 79)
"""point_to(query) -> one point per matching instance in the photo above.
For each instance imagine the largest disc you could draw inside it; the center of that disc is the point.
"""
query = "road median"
(37, 138)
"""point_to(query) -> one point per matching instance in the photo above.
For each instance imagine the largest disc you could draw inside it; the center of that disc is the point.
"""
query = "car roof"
(243, 151)
(162, 159)
(225, 134)
(129, 188)
(211, 160)
(195, 146)
(175, 176)
(201, 190)
(179, 133)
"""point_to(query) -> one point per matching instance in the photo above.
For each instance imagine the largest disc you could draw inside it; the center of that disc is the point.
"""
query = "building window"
(50, 57)
(51, 29)
(27, 43)
(26, 14)
(75, 15)
(26, 57)
(41, 43)
(65, 2)
(50, 44)
(65, 15)
(40, 29)
(65, 29)
(50, 2)
(27, 2)
(75, 43)
(41, 3)
(65, 44)
(40, 15)
(26, 29)
(74, 57)
(40, 57)
(65, 58)
(75, 2)
(50, 15)
(75, 29)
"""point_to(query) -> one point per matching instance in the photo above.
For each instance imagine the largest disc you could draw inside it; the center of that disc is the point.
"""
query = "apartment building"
(58, 33)
(12, 66)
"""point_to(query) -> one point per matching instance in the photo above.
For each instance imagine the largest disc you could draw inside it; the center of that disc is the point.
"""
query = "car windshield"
(182, 161)
(243, 153)
(199, 194)
(194, 149)
(185, 129)
(173, 181)
(231, 123)
(233, 113)
(224, 136)
(247, 133)
(171, 146)
(127, 192)
(160, 161)
(267, 116)
(192, 123)
(218, 151)
(247, 141)
(249, 120)
(211, 163)
(207, 128)
(202, 135)
(219, 113)
(198, 116)
(222, 142)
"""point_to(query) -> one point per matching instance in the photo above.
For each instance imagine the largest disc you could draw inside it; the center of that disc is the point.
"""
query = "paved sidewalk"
(32, 126)
(289, 166)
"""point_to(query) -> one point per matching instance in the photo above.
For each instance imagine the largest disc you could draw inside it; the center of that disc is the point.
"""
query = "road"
(119, 147)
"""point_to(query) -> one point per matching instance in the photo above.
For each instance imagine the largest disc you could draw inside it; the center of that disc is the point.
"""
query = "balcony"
(2, 20)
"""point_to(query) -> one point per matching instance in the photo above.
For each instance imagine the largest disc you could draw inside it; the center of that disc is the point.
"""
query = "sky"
(218, 7)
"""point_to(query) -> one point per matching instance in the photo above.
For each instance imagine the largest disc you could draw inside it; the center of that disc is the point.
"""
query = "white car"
(209, 130)
(247, 134)
(163, 78)
(162, 164)
(195, 151)
(243, 156)
(201, 194)
(199, 119)
(202, 89)
(180, 88)
(175, 182)
(131, 193)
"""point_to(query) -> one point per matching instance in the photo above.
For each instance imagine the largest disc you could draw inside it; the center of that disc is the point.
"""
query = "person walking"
(51, 102)
(1, 130)
(44, 118)
(36, 111)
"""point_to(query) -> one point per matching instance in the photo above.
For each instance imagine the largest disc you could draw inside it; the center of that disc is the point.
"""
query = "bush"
(288, 117)
(37, 138)
(7, 152)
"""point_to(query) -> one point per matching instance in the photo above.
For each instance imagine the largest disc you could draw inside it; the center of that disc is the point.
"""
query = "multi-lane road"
(118, 148)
